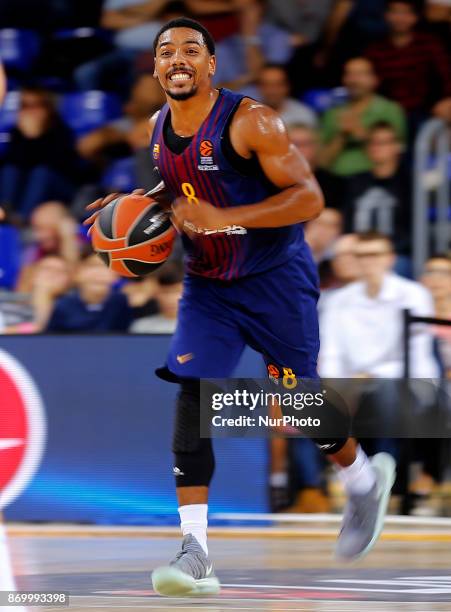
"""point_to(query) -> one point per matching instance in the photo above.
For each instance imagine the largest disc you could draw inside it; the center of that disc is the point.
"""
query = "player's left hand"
(191, 217)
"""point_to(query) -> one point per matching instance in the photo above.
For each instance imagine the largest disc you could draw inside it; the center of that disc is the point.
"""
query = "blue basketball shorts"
(273, 312)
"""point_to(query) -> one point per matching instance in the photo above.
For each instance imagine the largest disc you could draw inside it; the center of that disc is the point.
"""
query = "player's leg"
(6, 575)
(207, 344)
(286, 333)
(7, 582)
(190, 572)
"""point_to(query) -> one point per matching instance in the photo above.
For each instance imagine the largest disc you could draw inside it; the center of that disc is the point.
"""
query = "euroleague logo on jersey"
(206, 156)
(206, 148)
(22, 428)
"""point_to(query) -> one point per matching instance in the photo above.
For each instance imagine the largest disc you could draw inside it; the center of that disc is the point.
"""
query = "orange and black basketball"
(133, 235)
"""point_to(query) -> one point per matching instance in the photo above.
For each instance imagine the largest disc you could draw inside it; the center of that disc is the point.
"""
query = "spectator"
(134, 25)
(362, 336)
(61, 52)
(367, 314)
(321, 233)
(413, 67)
(306, 139)
(344, 263)
(236, 29)
(51, 280)
(430, 452)
(167, 296)
(29, 313)
(309, 465)
(123, 136)
(141, 294)
(296, 476)
(380, 199)
(274, 90)
(17, 312)
(54, 232)
(438, 15)
(94, 306)
(279, 481)
(351, 25)
(304, 21)
(437, 279)
(41, 162)
(345, 128)
(340, 269)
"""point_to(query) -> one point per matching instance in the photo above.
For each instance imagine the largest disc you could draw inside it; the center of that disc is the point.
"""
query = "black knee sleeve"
(194, 461)
(335, 420)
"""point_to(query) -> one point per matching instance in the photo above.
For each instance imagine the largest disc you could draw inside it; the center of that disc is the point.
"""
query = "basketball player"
(7, 582)
(250, 280)
(2, 95)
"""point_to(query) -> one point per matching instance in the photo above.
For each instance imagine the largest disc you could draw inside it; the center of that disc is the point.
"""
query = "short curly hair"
(192, 24)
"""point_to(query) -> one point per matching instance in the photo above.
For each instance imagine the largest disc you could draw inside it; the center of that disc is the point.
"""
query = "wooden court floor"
(263, 572)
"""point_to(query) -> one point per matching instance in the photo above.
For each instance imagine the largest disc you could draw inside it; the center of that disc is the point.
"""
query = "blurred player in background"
(7, 582)
(250, 281)
(2, 95)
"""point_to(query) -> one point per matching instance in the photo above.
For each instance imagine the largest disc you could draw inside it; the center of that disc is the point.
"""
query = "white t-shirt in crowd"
(364, 335)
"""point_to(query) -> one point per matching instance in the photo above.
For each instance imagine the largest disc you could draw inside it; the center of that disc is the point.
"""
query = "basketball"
(133, 235)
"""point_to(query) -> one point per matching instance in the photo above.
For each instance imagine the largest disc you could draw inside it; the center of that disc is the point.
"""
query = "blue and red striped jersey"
(202, 170)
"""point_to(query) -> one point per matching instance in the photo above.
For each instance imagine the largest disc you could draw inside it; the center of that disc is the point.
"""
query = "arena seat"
(75, 33)
(19, 48)
(120, 176)
(8, 116)
(320, 100)
(89, 110)
(8, 110)
(83, 32)
(9, 256)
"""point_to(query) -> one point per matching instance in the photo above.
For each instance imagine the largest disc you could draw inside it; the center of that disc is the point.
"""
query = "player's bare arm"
(257, 129)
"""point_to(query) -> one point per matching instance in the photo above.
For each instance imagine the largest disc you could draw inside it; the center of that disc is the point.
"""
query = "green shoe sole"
(171, 582)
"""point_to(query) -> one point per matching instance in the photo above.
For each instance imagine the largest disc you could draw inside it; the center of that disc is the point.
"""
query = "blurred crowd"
(354, 81)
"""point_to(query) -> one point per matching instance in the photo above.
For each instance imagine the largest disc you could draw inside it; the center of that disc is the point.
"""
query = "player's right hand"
(100, 203)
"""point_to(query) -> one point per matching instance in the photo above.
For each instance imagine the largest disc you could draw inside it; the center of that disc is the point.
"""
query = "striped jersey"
(204, 171)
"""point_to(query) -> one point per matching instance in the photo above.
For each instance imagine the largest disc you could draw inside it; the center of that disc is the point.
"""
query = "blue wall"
(108, 457)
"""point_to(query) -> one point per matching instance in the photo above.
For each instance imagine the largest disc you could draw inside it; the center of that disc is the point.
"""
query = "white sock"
(359, 477)
(193, 519)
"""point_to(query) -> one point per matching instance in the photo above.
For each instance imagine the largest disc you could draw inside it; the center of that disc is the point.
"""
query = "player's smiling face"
(183, 63)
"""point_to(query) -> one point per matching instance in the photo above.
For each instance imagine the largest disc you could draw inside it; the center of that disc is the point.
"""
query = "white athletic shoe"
(189, 574)
(365, 514)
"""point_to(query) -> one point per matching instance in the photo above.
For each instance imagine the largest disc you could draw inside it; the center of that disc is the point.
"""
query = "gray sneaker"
(364, 514)
(189, 574)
